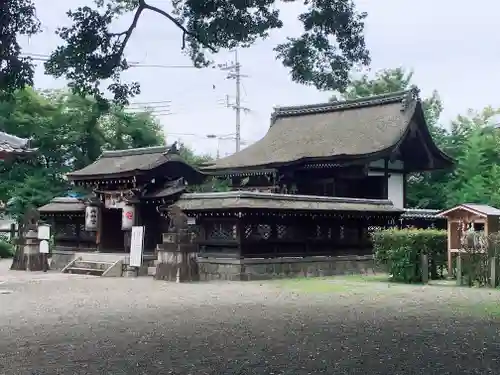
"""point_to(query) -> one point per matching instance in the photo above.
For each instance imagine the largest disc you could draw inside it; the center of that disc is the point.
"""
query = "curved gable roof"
(338, 130)
(129, 162)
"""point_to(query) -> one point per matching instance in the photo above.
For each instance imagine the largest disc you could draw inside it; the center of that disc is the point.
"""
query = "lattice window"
(264, 231)
(281, 231)
(258, 232)
(318, 233)
(65, 229)
(222, 231)
(248, 231)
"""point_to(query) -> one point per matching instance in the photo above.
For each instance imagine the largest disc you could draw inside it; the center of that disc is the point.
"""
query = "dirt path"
(72, 326)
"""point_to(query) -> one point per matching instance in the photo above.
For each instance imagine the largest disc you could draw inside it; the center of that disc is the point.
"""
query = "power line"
(159, 102)
(132, 64)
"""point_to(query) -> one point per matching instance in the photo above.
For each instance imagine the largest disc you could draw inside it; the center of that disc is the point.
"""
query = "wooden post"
(450, 261)
(459, 269)
(13, 232)
(493, 272)
(425, 268)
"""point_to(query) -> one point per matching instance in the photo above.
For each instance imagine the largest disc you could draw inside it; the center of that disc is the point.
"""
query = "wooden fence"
(9, 233)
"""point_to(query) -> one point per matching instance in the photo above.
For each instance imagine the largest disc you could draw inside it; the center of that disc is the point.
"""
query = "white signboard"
(44, 247)
(191, 220)
(91, 218)
(136, 246)
(44, 232)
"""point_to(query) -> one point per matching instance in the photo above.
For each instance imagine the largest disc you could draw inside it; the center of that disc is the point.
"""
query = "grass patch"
(484, 309)
(334, 284)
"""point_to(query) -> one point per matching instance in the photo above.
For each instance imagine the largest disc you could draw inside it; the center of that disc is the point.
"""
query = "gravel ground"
(65, 324)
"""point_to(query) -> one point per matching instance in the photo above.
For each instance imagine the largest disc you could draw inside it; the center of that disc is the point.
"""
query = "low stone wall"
(264, 269)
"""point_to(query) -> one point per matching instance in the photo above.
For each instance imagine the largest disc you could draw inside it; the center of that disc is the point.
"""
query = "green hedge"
(6, 249)
(399, 250)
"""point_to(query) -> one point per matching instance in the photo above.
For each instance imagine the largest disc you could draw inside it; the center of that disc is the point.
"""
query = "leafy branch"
(330, 46)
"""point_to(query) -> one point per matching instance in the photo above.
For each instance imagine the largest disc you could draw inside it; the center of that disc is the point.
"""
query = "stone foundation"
(212, 268)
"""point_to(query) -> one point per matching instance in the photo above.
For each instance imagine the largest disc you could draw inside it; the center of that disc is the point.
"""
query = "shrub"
(400, 250)
(6, 249)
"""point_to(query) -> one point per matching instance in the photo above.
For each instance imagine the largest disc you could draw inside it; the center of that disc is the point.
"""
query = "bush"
(400, 250)
(6, 249)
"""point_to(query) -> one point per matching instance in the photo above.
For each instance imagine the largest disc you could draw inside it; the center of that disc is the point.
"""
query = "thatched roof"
(270, 201)
(130, 162)
(63, 204)
(367, 127)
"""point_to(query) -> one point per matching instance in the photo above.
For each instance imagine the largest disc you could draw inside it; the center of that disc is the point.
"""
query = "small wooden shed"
(481, 216)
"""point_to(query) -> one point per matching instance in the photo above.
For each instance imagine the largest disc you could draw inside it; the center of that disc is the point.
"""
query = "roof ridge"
(367, 101)
(136, 151)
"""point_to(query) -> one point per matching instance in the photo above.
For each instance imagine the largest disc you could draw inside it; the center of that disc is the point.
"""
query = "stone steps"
(88, 267)
(152, 271)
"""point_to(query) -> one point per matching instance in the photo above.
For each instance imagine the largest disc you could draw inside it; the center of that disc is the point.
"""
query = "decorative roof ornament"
(412, 95)
(174, 149)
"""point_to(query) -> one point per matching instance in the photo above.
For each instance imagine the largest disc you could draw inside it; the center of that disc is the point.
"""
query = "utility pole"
(235, 73)
(238, 100)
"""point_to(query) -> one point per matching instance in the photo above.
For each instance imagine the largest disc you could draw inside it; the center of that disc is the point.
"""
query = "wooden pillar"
(78, 234)
(386, 178)
(405, 187)
(459, 269)
(450, 265)
(493, 272)
(98, 235)
(240, 225)
(425, 268)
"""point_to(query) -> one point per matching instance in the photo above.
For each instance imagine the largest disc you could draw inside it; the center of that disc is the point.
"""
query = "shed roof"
(477, 209)
(128, 162)
(63, 204)
(349, 129)
(271, 201)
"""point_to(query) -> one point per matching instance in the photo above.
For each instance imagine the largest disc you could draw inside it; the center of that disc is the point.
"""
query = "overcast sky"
(451, 46)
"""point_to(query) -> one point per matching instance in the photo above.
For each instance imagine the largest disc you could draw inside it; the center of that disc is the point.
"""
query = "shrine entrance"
(112, 236)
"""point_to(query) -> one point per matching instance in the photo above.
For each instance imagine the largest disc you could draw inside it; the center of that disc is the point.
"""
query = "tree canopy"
(330, 45)
(70, 132)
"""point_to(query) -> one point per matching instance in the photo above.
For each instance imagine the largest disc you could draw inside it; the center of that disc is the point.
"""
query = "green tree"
(70, 132)
(17, 17)
(211, 184)
(330, 45)
(476, 148)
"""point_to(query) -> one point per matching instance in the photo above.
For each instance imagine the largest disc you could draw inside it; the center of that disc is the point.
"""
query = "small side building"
(468, 217)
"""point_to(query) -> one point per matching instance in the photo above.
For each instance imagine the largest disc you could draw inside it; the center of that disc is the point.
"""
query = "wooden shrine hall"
(125, 188)
(307, 194)
(361, 148)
